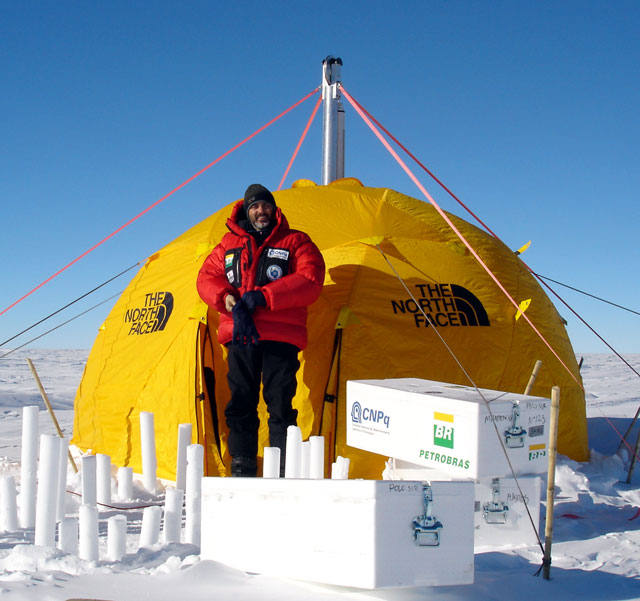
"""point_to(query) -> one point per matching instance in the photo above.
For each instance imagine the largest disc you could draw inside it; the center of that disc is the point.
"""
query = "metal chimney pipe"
(333, 121)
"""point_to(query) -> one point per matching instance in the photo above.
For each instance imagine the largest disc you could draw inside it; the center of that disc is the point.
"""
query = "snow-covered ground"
(596, 550)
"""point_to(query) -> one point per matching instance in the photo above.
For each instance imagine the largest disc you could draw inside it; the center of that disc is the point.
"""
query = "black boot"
(246, 467)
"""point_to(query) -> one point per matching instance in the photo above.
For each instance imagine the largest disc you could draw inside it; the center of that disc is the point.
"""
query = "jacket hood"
(238, 214)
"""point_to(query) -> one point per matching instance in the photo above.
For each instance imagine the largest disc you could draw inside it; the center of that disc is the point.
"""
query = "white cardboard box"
(449, 427)
(500, 514)
(359, 533)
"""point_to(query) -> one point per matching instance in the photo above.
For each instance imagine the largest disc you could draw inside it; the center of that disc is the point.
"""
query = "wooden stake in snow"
(633, 459)
(551, 481)
(534, 375)
(45, 398)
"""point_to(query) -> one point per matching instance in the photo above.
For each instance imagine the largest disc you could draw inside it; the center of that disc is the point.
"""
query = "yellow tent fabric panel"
(360, 231)
(144, 359)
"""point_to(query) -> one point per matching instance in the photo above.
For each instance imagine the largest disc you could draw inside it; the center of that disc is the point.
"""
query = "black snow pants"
(276, 363)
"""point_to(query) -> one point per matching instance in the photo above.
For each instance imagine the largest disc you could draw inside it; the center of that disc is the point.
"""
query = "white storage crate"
(358, 533)
(500, 513)
(448, 427)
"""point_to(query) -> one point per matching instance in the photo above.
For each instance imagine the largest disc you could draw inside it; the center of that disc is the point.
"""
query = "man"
(261, 278)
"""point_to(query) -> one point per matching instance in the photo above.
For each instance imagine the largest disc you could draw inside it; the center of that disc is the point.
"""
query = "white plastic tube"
(103, 479)
(8, 504)
(344, 463)
(172, 515)
(305, 459)
(193, 494)
(47, 500)
(68, 535)
(29, 466)
(89, 490)
(62, 479)
(116, 537)
(340, 469)
(148, 447)
(293, 455)
(125, 483)
(150, 531)
(271, 463)
(316, 463)
(88, 533)
(184, 440)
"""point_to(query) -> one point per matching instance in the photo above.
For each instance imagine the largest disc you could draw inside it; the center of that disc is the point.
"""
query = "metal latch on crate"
(495, 512)
(426, 527)
(514, 436)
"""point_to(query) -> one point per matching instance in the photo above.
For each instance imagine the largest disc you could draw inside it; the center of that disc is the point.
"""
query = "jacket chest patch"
(274, 272)
(278, 253)
(228, 260)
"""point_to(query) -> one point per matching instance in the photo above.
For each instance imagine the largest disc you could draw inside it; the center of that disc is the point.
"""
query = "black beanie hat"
(256, 193)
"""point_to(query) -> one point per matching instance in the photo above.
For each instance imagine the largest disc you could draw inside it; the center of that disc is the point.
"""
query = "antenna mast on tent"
(333, 122)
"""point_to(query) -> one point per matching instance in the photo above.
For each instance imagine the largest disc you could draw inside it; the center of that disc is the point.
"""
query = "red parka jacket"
(288, 268)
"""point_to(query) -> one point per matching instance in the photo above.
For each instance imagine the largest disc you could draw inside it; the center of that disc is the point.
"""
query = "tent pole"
(333, 122)
(551, 481)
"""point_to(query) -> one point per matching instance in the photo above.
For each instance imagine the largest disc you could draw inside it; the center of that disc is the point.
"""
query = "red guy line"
(454, 228)
(302, 137)
(438, 181)
(466, 208)
(632, 451)
(157, 202)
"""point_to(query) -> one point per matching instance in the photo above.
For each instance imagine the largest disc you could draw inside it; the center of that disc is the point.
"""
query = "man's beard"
(260, 226)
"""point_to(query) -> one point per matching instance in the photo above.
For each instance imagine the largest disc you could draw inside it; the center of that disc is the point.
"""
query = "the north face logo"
(444, 305)
(152, 316)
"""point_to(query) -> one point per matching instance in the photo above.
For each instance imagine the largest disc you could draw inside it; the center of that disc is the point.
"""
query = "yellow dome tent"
(157, 350)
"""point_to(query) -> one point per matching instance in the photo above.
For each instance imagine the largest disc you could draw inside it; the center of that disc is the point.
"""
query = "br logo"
(356, 413)
(443, 430)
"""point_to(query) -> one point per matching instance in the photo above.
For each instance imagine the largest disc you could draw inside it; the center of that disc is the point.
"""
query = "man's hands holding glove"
(253, 299)
(244, 330)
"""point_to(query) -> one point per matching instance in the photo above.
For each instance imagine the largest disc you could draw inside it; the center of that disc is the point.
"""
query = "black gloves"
(253, 299)
(244, 330)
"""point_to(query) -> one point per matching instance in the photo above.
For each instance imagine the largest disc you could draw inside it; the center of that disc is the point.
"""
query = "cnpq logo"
(443, 430)
(152, 316)
(360, 414)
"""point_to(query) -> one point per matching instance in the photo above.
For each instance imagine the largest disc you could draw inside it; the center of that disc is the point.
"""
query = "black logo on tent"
(152, 316)
(444, 305)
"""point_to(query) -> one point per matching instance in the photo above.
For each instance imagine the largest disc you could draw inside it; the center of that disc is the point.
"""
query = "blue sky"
(527, 110)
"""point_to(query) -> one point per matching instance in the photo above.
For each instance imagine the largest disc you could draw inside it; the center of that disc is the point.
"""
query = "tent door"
(330, 404)
(208, 422)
